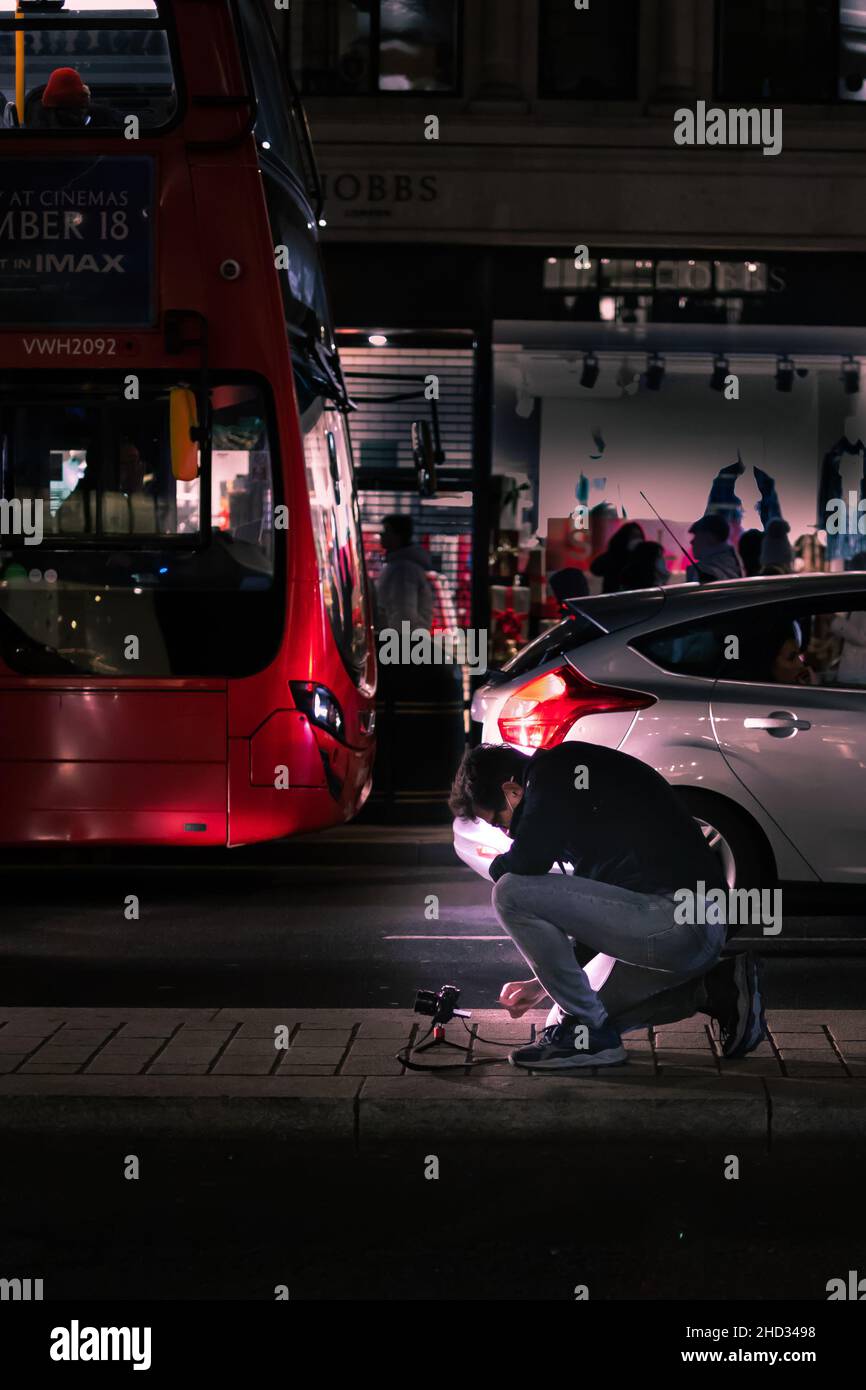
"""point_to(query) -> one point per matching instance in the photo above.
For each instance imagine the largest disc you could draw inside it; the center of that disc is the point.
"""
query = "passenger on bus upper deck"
(65, 104)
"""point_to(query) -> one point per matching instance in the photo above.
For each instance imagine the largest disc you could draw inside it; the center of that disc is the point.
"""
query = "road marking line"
(445, 937)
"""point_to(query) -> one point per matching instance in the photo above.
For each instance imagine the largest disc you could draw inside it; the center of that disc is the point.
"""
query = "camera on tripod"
(440, 1004)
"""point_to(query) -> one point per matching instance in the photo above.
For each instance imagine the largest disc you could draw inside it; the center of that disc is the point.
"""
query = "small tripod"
(439, 1039)
(440, 1006)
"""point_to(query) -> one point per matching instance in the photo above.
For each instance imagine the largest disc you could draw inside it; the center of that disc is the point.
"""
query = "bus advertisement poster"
(76, 243)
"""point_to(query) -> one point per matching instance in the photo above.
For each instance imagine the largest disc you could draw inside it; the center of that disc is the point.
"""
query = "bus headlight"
(319, 705)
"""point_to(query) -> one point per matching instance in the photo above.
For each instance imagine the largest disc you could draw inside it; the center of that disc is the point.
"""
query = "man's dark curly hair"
(480, 776)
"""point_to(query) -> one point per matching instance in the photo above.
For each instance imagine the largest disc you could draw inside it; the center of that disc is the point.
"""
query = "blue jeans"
(658, 962)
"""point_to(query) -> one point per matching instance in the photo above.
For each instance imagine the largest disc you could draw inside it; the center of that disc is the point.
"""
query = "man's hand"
(518, 996)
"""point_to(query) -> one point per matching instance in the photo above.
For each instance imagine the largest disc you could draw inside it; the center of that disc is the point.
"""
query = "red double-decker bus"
(185, 646)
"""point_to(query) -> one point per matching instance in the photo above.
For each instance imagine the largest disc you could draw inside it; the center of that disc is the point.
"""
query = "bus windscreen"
(101, 541)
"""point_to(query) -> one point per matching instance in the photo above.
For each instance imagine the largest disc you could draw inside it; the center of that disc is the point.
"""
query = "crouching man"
(632, 846)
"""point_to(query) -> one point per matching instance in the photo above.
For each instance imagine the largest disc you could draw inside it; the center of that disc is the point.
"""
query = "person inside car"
(773, 652)
(633, 846)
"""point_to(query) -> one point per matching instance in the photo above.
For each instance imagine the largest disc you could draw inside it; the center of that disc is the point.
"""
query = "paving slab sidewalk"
(335, 1077)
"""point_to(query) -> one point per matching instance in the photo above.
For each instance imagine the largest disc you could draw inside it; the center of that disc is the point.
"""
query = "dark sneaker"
(561, 1047)
(734, 994)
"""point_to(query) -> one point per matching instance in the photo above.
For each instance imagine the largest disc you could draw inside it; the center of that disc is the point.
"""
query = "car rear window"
(566, 636)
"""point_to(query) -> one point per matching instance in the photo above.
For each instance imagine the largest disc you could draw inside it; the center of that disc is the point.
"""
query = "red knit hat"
(64, 88)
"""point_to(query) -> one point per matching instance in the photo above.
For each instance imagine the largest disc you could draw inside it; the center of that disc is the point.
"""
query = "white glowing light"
(146, 8)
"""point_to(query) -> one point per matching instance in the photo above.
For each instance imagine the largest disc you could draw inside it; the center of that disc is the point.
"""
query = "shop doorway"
(395, 381)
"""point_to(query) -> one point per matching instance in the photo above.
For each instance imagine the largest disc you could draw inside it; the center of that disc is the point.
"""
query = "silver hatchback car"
(748, 696)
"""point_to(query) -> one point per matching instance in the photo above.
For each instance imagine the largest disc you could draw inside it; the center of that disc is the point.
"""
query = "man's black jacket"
(626, 826)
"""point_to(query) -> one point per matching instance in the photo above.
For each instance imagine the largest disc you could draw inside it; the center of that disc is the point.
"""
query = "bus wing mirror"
(183, 425)
(424, 457)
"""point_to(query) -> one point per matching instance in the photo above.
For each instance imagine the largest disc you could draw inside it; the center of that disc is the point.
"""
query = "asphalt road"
(217, 1220)
(210, 1220)
(321, 937)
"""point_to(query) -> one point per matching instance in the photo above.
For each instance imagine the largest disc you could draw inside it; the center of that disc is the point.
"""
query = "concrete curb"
(320, 1110)
(366, 1114)
(584, 1110)
(347, 1090)
(827, 1114)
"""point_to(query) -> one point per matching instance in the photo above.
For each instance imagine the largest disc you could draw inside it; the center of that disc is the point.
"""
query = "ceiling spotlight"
(850, 376)
(377, 340)
(655, 372)
(721, 368)
(784, 374)
(591, 369)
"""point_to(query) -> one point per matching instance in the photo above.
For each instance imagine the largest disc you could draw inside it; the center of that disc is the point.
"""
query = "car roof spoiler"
(611, 612)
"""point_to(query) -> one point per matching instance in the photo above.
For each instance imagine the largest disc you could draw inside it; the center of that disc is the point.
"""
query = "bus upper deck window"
(79, 73)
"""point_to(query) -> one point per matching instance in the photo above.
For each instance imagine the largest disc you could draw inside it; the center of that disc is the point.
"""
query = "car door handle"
(777, 723)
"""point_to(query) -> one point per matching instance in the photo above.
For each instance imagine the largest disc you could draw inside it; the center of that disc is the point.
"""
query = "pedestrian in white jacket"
(403, 591)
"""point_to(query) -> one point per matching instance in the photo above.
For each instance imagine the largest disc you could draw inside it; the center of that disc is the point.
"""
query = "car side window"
(689, 649)
(814, 644)
(838, 647)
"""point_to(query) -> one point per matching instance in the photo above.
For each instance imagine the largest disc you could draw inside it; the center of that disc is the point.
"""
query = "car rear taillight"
(540, 713)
